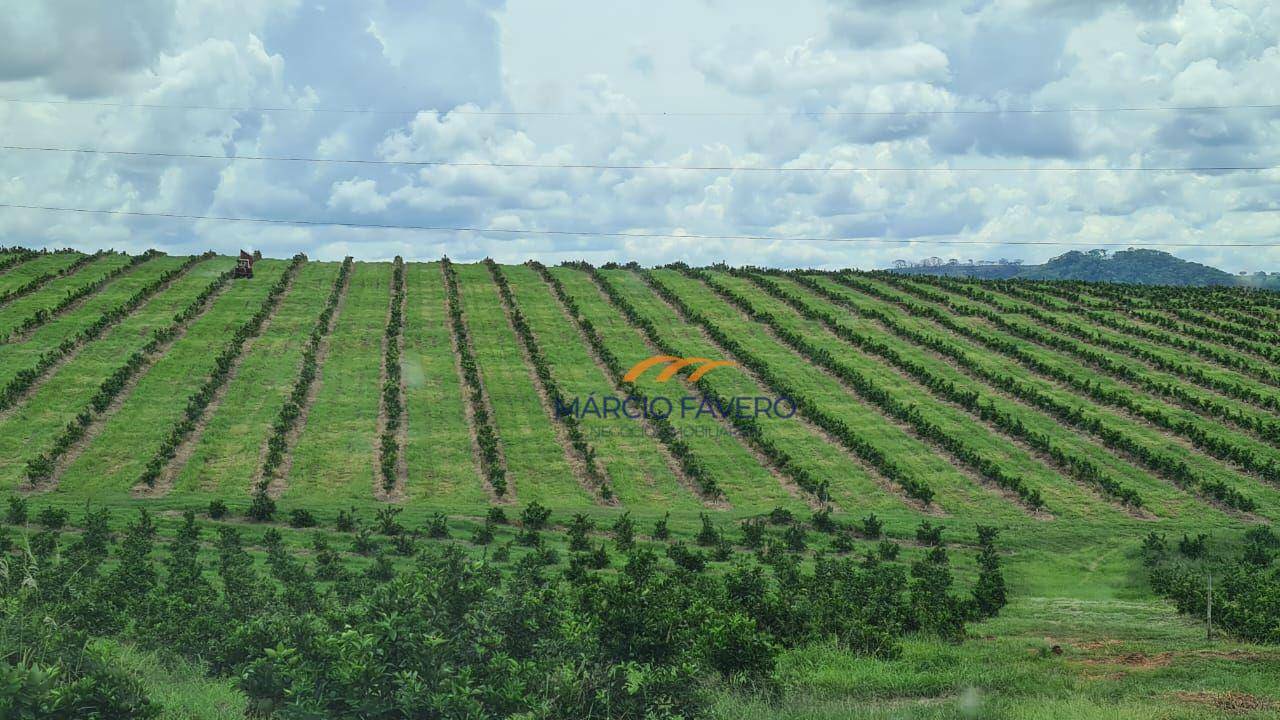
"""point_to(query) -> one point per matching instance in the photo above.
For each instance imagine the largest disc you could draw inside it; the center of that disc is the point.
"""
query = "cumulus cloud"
(850, 92)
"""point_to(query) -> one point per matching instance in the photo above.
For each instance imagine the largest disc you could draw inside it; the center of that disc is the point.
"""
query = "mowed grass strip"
(15, 313)
(34, 424)
(954, 491)
(1141, 432)
(1209, 437)
(1143, 379)
(747, 485)
(24, 353)
(46, 265)
(1162, 497)
(443, 471)
(1060, 496)
(899, 337)
(227, 455)
(334, 457)
(128, 438)
(632, 460)
(850, 484)
(536, 465)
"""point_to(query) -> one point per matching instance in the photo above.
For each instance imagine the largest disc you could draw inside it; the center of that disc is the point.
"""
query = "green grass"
(1160, 497)
(1061, 497)
(632, 459)
(956, 493)
(30, 428)
(128, 438)
(537, 468)
(334, 457)
(17, 356)
(14, 313)
(24, 273)
(227, 456)
(442, 469)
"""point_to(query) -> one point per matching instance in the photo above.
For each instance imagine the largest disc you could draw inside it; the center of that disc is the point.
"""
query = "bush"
(660, 529)
(497, 516)
(578, 529)
(52, 518)
(781, 516)
(299, 518)
(262, 508)
(535, 516)
(624, 532)
(929, 535)
(822, 521)
(1193, 548)
(872, 527)
(18, 510)
(217, 510)
(708, 535)
(346, 521)
(753, 533)
(683, 557)
(795, 538)
(438, 526)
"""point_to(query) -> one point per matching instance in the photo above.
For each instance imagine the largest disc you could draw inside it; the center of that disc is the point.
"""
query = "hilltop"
(1139, 267)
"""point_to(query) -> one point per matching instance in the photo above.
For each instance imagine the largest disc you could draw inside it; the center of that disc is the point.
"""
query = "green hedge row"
(1172, 468)
(392, 394)
(44, 315)
(25, 378)
(1217, 446)
(226, 361)
(543, 370)
(486, 434)
(692, 467)
(41, 467)
(1079, 467)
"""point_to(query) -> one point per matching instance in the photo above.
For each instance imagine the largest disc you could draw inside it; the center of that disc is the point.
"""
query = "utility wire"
(591, 113)
(676, 168)
(642, 235)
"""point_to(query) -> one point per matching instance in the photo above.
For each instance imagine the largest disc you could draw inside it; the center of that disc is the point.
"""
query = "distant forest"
(1144, 267)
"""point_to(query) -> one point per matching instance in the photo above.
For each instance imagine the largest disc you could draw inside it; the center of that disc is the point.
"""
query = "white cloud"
(800, 80)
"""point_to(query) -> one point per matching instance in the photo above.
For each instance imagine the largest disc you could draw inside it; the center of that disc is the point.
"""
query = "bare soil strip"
(164, 484)
(280, 481)
(672, 464)
(577, 462)
(509, 497)
(95, 427)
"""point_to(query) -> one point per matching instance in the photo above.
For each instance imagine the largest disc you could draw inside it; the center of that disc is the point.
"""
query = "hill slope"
(1076, 418)
(1141, 267)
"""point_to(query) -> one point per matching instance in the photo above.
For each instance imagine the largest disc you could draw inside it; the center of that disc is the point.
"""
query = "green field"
(1032, 407)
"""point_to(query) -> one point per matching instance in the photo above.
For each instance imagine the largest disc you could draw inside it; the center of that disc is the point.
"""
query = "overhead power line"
(656, 113)
(633, 235)
(600, 166)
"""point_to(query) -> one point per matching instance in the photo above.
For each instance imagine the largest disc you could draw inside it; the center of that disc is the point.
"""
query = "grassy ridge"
(635, 466)
(442, 469)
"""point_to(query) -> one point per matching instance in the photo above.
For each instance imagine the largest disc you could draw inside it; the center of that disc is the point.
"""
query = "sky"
(704, 83)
